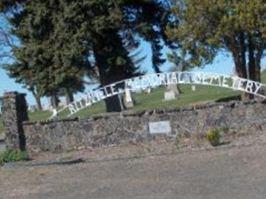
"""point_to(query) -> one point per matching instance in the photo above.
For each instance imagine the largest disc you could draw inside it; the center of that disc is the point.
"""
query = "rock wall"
(127, 127)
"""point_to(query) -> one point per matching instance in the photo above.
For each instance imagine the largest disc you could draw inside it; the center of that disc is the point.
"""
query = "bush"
(213, 136)
(13, 156)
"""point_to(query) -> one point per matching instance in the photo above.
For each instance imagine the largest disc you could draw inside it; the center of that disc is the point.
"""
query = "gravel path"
(226, 173)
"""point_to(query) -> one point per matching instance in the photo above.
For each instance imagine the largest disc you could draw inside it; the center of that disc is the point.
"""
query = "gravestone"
(128, 101)
(32, 108)
(14, 113)
(114, 103)
(169, 95)
(171, 92)
(193, 88)
(147, 90)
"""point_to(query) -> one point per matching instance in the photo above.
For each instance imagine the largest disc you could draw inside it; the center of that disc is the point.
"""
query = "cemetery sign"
(157, 79)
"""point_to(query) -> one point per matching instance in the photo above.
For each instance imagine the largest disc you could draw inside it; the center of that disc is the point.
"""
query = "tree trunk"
(251, 61)
(54, 100)
(113, 64)
(255, 54)
(38, 100)
(240, 61)
(69, 97)
(258, 57)
(242, 56)
(241, 45)
(258, 72)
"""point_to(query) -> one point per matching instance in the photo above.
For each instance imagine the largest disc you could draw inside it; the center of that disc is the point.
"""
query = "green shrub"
(12, 156)
(213, 136)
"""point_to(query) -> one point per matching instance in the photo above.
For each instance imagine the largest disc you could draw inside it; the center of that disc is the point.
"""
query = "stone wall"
(127, 127)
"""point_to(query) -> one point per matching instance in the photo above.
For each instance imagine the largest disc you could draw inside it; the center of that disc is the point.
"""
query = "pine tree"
(59, 36)
(48, 57)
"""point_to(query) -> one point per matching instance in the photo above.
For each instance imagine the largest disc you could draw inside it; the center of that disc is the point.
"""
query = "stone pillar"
(14, 112)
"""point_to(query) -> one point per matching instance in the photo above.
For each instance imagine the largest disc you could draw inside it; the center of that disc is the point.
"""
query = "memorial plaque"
(162, 127)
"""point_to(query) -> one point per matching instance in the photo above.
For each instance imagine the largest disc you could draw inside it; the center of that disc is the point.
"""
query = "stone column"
(14, 112)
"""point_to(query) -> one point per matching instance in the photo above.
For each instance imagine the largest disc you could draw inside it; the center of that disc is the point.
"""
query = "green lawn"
(39, 115)
(154, 100)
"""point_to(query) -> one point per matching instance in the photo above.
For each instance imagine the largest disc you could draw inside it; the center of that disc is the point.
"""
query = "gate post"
(14, 112)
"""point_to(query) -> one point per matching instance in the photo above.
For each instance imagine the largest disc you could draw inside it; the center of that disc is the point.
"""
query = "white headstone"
(128, 102)
(193, 88)
(147, 90)
(171, 92)
(32, 108)
(169, 95)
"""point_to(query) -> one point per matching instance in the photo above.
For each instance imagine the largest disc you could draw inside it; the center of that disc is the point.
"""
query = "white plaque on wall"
(162, 127)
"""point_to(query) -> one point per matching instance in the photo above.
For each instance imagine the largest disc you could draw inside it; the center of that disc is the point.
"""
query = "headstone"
(162, 127)
(128, 101)
(32, 108)
(193, 88)
(147, 90)
(114, 103)
(171, 92)
(169, 95)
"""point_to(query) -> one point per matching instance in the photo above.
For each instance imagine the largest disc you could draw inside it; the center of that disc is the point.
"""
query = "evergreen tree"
(48, 57)
(60, 35)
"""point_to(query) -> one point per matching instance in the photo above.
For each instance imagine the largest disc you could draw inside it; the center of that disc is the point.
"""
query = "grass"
(154, 100)
(39, 115)
(12, 156)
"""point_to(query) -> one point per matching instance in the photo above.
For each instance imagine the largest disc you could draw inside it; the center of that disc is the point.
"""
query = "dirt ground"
(140, 172)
